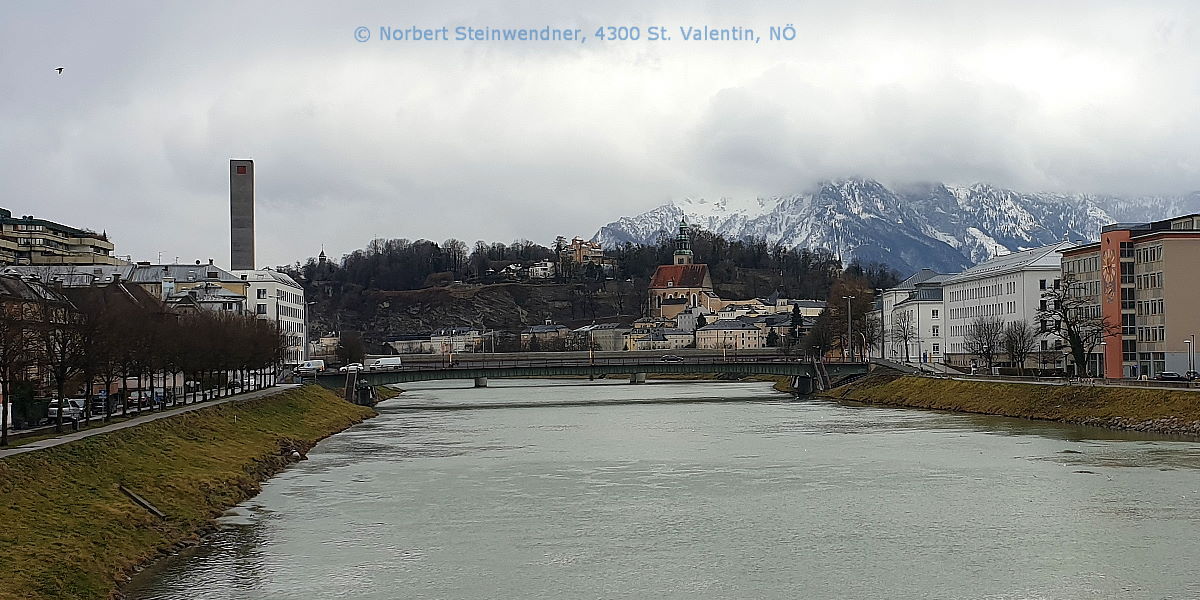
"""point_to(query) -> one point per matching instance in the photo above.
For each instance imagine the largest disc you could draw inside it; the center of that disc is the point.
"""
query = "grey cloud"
(354, 141)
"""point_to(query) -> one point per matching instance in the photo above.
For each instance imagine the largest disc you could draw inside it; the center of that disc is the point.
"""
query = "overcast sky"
(506, 140)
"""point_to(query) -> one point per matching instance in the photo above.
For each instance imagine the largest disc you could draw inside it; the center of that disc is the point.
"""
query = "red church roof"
(686, 276)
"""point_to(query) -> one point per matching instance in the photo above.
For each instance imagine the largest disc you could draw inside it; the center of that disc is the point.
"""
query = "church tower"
(683, 245)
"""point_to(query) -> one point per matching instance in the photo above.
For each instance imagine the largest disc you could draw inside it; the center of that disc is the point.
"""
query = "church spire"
(683, 245)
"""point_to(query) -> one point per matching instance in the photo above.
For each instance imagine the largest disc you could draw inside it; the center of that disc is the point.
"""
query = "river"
(732, 491)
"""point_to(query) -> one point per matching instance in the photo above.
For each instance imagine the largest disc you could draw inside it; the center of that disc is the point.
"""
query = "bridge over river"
(806, 375)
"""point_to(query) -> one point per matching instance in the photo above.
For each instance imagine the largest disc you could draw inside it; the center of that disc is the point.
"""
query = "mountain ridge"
(942, 226)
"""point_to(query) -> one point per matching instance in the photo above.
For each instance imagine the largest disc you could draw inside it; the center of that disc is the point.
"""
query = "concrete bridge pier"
(637, 378)
(481, 382)
(802, 385)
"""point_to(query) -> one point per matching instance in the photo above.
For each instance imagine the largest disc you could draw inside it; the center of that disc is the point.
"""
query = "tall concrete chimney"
(241, 214)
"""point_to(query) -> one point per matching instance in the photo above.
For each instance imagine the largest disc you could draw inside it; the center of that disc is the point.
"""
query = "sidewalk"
(79, 435)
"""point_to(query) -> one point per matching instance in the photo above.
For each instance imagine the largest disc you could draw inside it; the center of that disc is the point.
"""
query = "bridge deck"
(526, 368)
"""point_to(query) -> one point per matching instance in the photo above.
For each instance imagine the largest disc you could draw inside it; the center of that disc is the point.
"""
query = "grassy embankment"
(66, 531)
(1155, 410)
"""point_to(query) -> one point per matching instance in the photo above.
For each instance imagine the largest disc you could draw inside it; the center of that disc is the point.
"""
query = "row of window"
(1082, 265)
(1153, 333)
(983, 310)
(1149, 253)
(1147, 281)
(1151, 307)
(985, 291)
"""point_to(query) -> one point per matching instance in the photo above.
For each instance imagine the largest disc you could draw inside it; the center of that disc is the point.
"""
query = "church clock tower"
(683, 245)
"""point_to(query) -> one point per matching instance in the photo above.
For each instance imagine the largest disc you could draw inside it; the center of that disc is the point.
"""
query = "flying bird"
(59, 69)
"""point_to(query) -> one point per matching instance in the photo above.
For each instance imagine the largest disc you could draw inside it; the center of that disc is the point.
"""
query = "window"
(935, 315)
(262, 294)
(241, 169)
(1041, 284)
(936, 330)
(1126, 249)
(262, 309)
(937, 348)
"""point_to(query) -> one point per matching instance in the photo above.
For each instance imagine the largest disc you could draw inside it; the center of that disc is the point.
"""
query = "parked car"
(1191, 375)
(310, 367)
(350, 368)
(1170, 376)
(386, 363)
(671, 358)
(72, 410)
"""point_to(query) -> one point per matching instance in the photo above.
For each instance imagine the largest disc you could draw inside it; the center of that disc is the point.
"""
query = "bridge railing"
(643, 362)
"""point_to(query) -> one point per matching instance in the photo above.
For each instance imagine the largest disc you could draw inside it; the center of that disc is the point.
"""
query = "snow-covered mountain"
(923, 225)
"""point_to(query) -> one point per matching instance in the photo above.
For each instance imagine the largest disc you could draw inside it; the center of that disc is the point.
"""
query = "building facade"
(730, 335)
(273, 296)
(1009, 288)
(1142, 276)
(31, 241)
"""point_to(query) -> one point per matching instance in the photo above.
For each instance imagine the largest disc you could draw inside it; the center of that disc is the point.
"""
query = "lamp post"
(305, 336)
(847, 352)
(1103, 353)
(882, 328)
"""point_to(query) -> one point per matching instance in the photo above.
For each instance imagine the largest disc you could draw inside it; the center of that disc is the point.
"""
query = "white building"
(907, 319)
(730, 335)
(274, 296)
(543, 270)
(688, 319)
(1008, 287)
(457, 340)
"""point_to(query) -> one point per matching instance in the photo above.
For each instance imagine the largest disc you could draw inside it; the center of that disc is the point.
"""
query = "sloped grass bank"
(66, 529)
(1140, 409)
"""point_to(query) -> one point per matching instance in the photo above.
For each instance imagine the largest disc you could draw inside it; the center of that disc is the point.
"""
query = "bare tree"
(1072, 315)
(16, 355)
(904, 331)
(984, 338)
(1020, 339)
(57, 334)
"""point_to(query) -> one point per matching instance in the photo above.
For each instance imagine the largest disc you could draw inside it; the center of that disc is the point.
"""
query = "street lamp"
(882, 329)
(849, 330)
(306, 305)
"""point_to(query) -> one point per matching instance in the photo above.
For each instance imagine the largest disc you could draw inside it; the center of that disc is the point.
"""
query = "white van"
(387, 363)
(310, 367)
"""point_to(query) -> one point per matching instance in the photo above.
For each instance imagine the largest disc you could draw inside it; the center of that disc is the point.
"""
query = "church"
(677, 287)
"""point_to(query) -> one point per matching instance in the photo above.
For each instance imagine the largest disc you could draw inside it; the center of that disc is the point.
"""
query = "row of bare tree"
(74, 342)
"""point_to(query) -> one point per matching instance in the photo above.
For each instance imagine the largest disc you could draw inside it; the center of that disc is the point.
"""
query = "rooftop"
(1044, 257)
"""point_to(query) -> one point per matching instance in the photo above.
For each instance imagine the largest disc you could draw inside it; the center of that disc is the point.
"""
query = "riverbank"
(68, 531)
(1150, 410)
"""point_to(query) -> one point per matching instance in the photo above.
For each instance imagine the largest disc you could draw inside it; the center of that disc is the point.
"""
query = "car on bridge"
(671, 358)
(352, 367)
(387, 363)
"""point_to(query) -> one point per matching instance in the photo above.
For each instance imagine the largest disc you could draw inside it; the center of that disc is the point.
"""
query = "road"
(79, 435)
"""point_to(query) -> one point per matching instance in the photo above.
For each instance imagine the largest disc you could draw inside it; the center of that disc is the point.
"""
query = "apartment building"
(32, 241)
(274, 296)
(1143, 276)
(1007, 287)
(730, 335)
